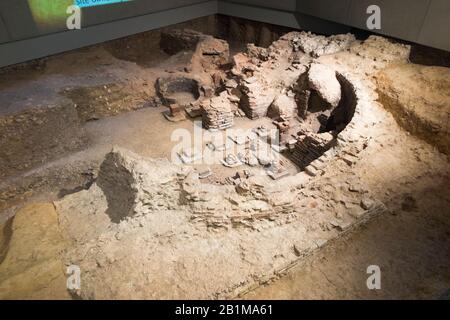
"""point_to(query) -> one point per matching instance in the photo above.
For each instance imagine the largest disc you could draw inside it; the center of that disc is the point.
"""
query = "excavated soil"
(426, 115)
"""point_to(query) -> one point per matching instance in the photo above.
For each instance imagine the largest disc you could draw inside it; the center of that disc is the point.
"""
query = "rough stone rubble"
(318, 46)
(322, 79)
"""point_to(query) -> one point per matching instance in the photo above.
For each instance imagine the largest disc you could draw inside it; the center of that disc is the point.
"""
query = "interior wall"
(286, 5)
(103, 14)
(42, 45)
(24, 19)
(23, 37)
(422, 21)
(282, 13)
(4, 36)
(435, 31)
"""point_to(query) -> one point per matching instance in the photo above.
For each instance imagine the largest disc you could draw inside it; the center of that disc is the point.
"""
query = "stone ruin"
(178, 90)
(134, 186)
(318, 109)
(309, 102)
(172, 216)
(184, 93)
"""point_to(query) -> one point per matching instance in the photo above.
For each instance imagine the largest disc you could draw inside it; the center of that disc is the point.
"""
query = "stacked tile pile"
(311, 147)
(255, 100)
(217, 113)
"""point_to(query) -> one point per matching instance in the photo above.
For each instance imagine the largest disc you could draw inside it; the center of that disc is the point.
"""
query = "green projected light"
(49, 15)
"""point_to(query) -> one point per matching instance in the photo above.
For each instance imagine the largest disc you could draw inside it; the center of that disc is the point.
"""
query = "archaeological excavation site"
(218, 150)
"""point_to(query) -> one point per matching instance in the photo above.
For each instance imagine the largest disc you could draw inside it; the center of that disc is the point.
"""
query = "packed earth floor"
(266, 164)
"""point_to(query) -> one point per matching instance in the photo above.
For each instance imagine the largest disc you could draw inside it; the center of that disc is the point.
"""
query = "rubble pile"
(265, 74)
(276, 170)
(257, 54)
(242, 66)
(381, 50)
(231, 161)
(317, 46)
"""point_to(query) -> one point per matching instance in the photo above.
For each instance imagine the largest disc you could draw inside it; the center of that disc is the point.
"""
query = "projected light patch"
(92, 3)
(49, 15)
